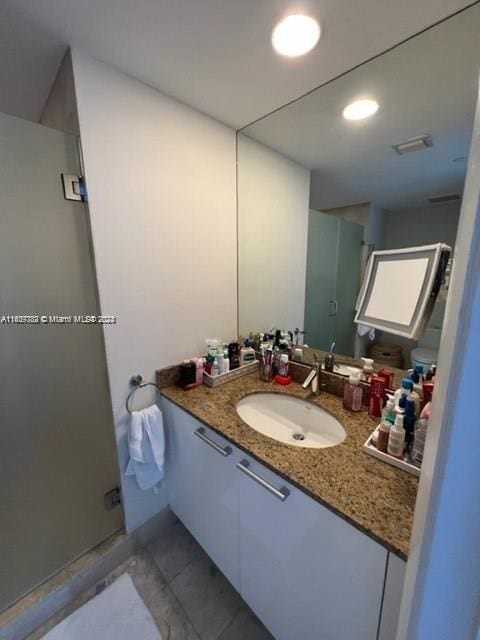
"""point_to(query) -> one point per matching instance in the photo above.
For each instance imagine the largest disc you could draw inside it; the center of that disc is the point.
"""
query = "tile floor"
(187, 595)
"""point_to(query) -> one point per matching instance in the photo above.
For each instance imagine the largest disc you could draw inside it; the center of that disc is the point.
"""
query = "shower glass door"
(57, 446)
(332, 281)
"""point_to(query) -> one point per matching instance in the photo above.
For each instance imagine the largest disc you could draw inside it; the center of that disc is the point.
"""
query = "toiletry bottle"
(426, 411)
(388, 418)
(388, 375)
(233, 355)
(383, 435)
(212, 344)
(377, 394)
(419, 440)
(267, 366)
(367, 370)
(329, 362)
(220, 361)
(396, 439)
(415, 397)
(427, 393)
(431, 373)
(226, 360)
(352, 394)
(209, 360)
(389, 410)
(215, 367)
(283, 365)
(404, 390)
(187, 374)
(199, 363)
(417, 381)
(247, 354)
(419, 369)
(290, 345)
(276, 360)
(409, 422)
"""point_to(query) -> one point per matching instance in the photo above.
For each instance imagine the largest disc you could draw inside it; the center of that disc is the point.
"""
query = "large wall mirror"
(318, 192)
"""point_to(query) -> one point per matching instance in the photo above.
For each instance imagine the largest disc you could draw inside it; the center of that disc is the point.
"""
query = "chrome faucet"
(315, 376)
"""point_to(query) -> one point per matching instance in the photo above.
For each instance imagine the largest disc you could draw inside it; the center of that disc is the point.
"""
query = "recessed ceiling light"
(360, 109)
(295, 35)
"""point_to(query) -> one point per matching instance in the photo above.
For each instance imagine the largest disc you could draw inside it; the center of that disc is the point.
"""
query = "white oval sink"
(290, 420)
(344, 370)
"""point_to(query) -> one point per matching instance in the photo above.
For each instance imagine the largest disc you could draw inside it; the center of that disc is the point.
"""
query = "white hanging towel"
(363, 329)
(146, 447)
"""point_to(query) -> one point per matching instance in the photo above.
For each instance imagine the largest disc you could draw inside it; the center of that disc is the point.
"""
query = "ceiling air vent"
(414, 144)
(452, 197)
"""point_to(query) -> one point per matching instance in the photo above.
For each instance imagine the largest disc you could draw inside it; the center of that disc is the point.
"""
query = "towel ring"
(136, 382)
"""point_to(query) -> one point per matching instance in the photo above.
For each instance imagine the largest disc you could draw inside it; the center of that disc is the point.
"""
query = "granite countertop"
(375, 497)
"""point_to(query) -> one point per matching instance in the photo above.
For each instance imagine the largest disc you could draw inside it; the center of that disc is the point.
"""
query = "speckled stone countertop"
(375, 497)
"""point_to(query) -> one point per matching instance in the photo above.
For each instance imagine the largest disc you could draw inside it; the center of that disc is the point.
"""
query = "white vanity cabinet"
(306, 572)
(201, 480)
(392, 597)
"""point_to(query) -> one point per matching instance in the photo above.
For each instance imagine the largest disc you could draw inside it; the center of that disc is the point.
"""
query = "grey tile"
(206, 595)
(174, 550)
(145, 575)
(245, 626)
(171, 620)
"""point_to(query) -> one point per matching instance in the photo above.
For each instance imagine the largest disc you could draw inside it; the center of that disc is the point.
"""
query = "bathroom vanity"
(314, 539)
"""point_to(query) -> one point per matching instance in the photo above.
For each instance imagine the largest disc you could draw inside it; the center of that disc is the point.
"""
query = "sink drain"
(298, 436)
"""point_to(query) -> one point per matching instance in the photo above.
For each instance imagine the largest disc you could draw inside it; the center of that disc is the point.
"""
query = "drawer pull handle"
(282, 493)
(224, 451)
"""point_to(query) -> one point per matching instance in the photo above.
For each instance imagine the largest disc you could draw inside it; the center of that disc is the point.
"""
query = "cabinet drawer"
(304, 571)
(202, 487)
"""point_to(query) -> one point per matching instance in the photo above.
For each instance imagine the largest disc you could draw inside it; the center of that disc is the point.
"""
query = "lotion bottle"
(352, 394)
(383, 435)
(396, 439)
(247, 354)
(404, 390)
(388, 418)
(419, 440)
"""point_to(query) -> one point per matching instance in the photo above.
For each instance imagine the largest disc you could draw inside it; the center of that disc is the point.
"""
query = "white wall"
(416, 227)
(441, 598)
(161, 187)
(60, 110)
(375, 232)
(273, 201)
(423, 225)
(357, 213)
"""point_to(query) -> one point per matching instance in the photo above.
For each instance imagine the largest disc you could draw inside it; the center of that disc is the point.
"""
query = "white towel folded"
(146, 447)
(363, 329)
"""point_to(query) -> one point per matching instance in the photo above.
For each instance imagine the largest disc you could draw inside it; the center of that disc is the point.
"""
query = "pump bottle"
(396, 440)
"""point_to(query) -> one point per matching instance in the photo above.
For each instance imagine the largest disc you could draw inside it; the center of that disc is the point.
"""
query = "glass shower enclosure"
(334, 254)
(57, 445)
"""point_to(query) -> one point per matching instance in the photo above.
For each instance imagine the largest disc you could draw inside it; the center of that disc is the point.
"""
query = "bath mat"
(118, 613)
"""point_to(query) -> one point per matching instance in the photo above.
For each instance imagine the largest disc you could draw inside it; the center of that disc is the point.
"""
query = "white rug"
(118, 613)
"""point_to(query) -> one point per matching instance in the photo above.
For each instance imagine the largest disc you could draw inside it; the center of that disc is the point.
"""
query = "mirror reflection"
(373, 160)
